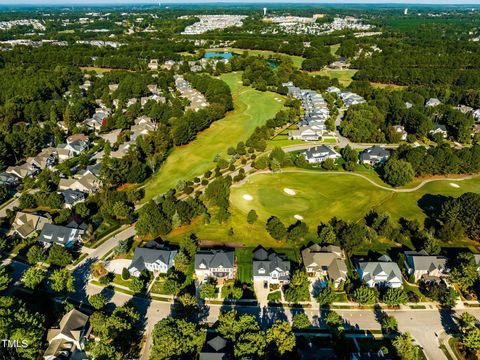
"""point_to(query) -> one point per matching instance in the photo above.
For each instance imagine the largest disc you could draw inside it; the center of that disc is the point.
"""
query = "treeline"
(440, 160)
(373, 121)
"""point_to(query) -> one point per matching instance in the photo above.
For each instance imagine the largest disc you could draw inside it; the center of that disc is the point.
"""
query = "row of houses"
(47, 158)
(196, 98)
(372, 156)
(324, 263)
(316, 113)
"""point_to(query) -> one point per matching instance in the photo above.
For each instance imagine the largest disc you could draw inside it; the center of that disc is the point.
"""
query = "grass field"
(297, 60)
(252, 108)
(344, 76)
(318, 198)
(388, 86)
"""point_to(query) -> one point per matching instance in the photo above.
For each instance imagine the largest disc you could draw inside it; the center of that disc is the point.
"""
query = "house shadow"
(270, 314)
(448, 322)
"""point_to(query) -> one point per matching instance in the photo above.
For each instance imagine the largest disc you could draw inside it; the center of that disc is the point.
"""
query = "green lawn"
(244, 264)
(344, 76)
(252, 108)
(297, 60)
(318, 198)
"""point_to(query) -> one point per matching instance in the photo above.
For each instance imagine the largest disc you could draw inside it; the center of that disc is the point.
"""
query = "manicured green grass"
(344, 76)
(252, 108)
(333, 49)
(297, 60)
(244, 265)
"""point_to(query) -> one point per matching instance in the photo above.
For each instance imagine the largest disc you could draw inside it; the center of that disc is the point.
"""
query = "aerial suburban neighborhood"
(249, 181)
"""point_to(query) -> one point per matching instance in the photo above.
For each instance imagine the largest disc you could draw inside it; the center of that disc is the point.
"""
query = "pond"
(215, 54)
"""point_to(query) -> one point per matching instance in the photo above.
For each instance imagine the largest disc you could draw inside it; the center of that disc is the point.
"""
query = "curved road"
(419, 186)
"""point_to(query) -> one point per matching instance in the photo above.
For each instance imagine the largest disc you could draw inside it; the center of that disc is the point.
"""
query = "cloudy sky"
(69, 2)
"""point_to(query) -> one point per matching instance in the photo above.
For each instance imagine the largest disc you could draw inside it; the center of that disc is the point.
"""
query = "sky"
(77, 2)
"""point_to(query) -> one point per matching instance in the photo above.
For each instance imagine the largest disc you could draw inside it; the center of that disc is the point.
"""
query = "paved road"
(14, 204)
(425, 325)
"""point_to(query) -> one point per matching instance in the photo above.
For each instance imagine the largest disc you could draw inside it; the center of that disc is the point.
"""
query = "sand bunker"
(247, 197)
(454, 185)
(289, 191)
(298, 217)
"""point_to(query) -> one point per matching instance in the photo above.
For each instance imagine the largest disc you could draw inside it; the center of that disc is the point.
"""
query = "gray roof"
(71, 325)
(421, 261)
(322, 150)
(9, 179)
(269, 261)
(214, 349)
(72, 196)
(214, 258)
(150, 253)
(372, 269)
(58, 234)
(374, 152)
(326, 258)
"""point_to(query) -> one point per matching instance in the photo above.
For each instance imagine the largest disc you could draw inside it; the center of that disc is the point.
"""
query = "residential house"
(408, 105)
(153, 64)
(383, 272)
(439, 129)
(216, 348)
(374, 155)
(63, 154)
(433, 102)
(112, 88)
(9, 180)
(216, 263)
(98, 119)
(121, 151)
(464, 109)
(270, 267)
(25, 224)
(76, 144)
(45, 159)
(401, 130)
(154, 257)
(319, 154)
(23, 171)
(424, 266)
(72, 197)
(350, 98)
(325, 263)
(88, 183)
(334, 90)
(112, 136)
(61, 235)
(305, 133)
(67, 341)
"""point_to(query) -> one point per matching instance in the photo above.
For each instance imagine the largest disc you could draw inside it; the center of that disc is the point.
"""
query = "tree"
(276, 228)
(397, 172)
(62, 280)
(334, 321)
(464, 272)
(250, 345)
(471, 339)
(466, 322)
(5, 278)
(207, 290)
(36, 254)
(298, 289)
(365, 295)
(329, 164)
(182, 262)
(389, 324)
(405, 348)
(19, 323)
(97, 301)
(326, 296)
(252, 216)
(101, 351)
(281, 336)
(395, 297)
(58, 255)
(231, 325)
(176, 339)
(125, 274)
(326, 234)
(33, 277)
(136, 285)
(301, 321)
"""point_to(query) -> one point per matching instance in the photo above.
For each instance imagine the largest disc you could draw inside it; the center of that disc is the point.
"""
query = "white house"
(383, 272)
(422, 265)
(153, 257)
(305, 133)
(216, 263)
(319, 154)
(270, 267)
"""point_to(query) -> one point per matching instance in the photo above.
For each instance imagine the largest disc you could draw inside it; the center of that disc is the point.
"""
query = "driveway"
(116, 266)
(261, 292)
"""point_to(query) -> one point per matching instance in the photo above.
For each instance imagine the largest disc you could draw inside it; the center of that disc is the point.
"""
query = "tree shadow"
(431, 206)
